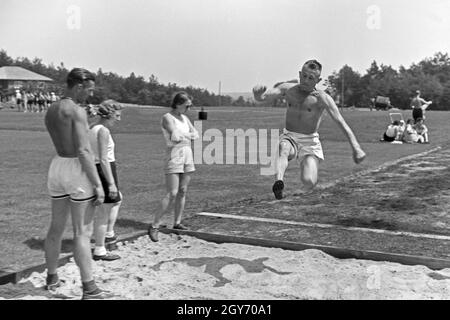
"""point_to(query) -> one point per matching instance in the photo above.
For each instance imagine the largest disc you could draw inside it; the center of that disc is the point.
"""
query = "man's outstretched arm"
(264, 94)
(425, 104)
(358, 154)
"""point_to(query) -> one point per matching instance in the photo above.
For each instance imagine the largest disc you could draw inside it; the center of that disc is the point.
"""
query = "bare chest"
(304, 105)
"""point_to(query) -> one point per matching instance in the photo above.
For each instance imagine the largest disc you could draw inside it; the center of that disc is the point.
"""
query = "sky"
(239, 43)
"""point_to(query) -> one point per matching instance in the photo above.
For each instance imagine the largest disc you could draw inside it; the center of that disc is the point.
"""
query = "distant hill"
(236, 95)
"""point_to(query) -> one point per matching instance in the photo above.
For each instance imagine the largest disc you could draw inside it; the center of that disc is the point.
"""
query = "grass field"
(26, 151)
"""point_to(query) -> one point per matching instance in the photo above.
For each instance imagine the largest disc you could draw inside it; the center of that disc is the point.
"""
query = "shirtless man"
(73, 182)
(419, 105)
(300, 138)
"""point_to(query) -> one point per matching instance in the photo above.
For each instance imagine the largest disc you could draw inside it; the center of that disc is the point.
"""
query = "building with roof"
(13, 78)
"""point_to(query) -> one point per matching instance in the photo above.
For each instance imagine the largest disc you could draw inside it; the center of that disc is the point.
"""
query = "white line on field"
(325, 226)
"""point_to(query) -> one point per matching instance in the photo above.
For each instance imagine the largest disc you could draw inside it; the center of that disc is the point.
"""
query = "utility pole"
(342, 90)
(220, 93)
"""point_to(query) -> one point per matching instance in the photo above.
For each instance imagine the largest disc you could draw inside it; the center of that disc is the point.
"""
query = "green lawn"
(26, 151)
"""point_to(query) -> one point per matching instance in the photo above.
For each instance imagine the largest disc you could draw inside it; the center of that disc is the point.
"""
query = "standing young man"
(300, 138)
(419, 105)
(73, 182)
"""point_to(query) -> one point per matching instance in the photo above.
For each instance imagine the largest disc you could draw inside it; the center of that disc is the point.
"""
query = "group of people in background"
(410, 132)
(414, 130)
(37, 101)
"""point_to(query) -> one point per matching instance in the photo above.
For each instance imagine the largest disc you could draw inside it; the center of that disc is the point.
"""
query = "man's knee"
(172, 194)
(309, 182)
(285, 149)
(82, 231)
(309, 174)
(182, 192)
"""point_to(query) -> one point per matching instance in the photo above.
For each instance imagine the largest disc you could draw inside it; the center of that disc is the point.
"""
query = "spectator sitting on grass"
(421, 129)
(401, 130)
(410, 135)
(391, 132)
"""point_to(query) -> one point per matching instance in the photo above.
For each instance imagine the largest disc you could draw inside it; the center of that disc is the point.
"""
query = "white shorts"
(303, 144)
(66, 179)
(179, 160)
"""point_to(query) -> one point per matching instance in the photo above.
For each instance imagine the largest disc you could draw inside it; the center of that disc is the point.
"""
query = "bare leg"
(113, 213)
(100, 223)
(82, 214)
(309, 172)
(180, 199)
(285, 151)
(60, 213)
(172, 183)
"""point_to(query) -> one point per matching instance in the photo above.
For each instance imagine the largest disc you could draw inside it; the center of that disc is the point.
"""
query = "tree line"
(431, 76)
(132, 89)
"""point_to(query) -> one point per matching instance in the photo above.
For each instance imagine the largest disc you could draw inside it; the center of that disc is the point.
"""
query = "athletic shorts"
(66, 179)
(417, 113)
(387, 138)
(105, 183)
(179, 159)
(303, 144)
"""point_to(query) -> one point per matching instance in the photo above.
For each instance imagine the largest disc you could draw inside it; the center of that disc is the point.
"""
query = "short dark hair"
(313, 65)
(180, 98)
(79, 76)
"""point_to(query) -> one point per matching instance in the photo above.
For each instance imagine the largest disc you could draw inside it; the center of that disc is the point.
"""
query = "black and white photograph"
(237, 152)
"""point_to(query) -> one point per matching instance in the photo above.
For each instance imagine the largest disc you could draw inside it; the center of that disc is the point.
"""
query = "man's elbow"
(84, 153)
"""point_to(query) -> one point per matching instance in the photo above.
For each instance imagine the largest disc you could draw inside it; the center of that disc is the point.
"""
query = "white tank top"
(390, 132)
(181, 127)
(93, 139)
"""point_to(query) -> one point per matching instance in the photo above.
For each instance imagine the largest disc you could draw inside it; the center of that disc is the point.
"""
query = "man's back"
(416, 102)
(59, 120)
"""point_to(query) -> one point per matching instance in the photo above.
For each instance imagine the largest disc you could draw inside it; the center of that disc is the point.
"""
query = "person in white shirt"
(391, 132)
(18, 99)
(178, 132)
(108, 114)
(401, 130)
(410, 135)
(421, 129)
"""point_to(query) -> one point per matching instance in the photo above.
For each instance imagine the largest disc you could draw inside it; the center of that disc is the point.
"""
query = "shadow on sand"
(38, 244)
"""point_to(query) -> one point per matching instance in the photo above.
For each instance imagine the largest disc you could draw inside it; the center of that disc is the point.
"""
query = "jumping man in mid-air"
(300, 138)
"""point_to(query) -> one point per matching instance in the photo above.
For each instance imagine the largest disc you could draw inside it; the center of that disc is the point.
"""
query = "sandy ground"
(183, 267)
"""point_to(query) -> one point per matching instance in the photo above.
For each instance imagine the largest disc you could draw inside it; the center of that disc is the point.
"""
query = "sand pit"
(183, 267)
